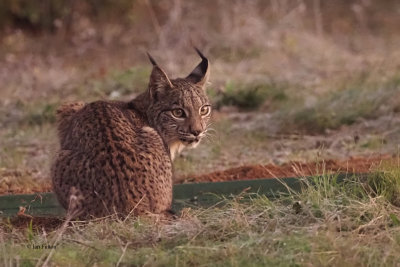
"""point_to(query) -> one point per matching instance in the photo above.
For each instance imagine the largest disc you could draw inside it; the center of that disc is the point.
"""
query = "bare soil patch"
(246, 172)
(293, 169)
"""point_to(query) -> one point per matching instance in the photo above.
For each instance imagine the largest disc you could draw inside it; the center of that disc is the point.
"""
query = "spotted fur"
(117, 156)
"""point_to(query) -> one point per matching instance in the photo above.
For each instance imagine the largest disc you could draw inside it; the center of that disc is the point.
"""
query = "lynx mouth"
(191, 142)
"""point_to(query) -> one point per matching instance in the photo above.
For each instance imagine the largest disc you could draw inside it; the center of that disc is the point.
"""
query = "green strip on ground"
(185, 195)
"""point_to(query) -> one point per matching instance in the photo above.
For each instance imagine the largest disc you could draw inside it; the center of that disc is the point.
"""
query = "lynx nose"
(195, 128)
(195, 132)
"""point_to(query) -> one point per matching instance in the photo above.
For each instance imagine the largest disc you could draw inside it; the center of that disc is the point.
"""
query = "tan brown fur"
(116, 156)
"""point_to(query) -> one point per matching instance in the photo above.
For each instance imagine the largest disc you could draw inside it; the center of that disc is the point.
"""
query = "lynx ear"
(159, 81)
(201, 73)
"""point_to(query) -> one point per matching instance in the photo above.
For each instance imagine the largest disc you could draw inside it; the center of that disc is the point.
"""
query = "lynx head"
(179, 108)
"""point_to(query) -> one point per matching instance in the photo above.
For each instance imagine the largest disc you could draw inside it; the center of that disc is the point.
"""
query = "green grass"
(251, 96)
(26, 151)
(355, 223)
(358, 99)
(374, 142)
(27, 145)
(216, 152)
(117, 84)
(121, 82)
(39, 114)
(34, 113)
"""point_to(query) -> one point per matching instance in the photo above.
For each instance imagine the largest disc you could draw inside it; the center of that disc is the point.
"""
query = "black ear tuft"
(152, 59)
(200, 74)
(200, 54)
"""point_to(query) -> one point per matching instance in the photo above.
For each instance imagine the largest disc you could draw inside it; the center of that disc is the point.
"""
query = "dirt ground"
(294, 169)
(245, 172)
(248, 172)
(337, 102)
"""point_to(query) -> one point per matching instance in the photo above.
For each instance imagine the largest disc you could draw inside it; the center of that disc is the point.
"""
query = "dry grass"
(327, 72)
(361, 99)
(355, 223)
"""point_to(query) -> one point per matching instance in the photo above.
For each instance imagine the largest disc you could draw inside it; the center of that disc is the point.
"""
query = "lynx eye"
(178, 113)
(205, 110)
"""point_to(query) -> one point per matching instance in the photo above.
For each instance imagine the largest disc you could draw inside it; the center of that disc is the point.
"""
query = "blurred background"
(291, 80)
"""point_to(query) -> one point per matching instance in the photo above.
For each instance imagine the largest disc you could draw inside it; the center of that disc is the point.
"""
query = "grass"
(329, 225)
(25, 155)
(355, 223)
(39, 113)
(375, 142)
(30, 125)
(33, 113)
(216, 151)
(120, 83)
(358, 99)
(116, 84)
(251, 96)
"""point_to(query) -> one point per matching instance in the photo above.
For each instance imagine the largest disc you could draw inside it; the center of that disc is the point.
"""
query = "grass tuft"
(40, 115)
(353, 223)
(251, 96)
(360, 99)
(387, 185)
(120, 83)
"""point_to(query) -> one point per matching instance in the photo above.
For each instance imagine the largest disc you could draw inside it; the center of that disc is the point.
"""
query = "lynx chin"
(116, 157)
